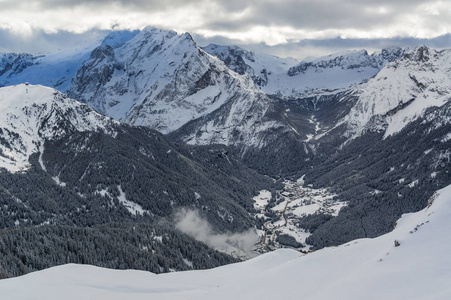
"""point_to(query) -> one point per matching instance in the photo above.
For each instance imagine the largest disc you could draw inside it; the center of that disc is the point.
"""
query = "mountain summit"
(34, 113)
(158, 79)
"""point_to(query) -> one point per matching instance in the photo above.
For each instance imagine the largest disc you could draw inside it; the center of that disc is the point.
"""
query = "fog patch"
(237, 244)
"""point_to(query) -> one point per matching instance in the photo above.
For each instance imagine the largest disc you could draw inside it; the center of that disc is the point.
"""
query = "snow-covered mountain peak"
(390, 54)
(289, 78)
(155, 30)
(402, 91)
(419, 54)
(34, 113)
(21, 95)
(118, 38)
(159, 79)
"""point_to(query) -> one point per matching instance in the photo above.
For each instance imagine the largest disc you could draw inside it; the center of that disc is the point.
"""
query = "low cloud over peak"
(271, 24)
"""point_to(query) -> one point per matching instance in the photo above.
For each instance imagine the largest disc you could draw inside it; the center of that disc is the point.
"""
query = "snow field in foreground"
(419, 268)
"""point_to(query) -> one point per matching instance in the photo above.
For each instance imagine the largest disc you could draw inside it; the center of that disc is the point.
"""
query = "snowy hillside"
(412, 262)
(161, 80)
(33, 113)
(402, 91)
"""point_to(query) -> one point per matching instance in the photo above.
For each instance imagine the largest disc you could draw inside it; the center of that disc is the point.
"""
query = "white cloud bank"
(192, 224)
(251, 22)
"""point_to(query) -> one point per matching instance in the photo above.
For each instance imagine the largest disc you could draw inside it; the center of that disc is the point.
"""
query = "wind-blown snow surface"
(419, 268)
(33, 113)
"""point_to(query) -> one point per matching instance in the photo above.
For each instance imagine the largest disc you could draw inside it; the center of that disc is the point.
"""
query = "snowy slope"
(33, 113)
(158, 79)
(418, 268)
(402, 91)
(54, 70)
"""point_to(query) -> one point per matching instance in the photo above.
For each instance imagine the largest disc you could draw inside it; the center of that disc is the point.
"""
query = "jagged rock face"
(234, 123)
(402, 92)
(12, 64)
(420, 54)
(390, 54)
(159, 79)
(235, 59)
(56, 69)
(265, 70)
(95, 72)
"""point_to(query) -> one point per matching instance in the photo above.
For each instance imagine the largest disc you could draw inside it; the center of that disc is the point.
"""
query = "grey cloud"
(128, 6)
(192, 224)
(328, 14)
(299, 14)
(42, 42)
(309, 16)
(318, 47)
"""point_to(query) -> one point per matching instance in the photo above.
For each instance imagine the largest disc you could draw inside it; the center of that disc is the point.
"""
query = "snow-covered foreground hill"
(418, 268)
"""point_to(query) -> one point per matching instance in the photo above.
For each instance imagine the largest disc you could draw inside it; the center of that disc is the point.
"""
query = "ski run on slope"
(411, 262)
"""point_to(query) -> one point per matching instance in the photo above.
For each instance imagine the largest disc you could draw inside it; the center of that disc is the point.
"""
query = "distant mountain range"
(371, 129)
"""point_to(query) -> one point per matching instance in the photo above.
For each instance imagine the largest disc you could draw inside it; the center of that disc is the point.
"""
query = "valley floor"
(411, 262)
(293, 202)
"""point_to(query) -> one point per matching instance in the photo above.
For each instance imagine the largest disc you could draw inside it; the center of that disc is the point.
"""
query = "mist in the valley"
(192, 224)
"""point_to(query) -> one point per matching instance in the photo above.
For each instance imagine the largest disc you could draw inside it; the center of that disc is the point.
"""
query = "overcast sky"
(295, 28)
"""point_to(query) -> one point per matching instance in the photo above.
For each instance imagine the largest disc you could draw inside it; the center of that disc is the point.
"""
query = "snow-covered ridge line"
(33, 113)
(291, 78)
(408, 263)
